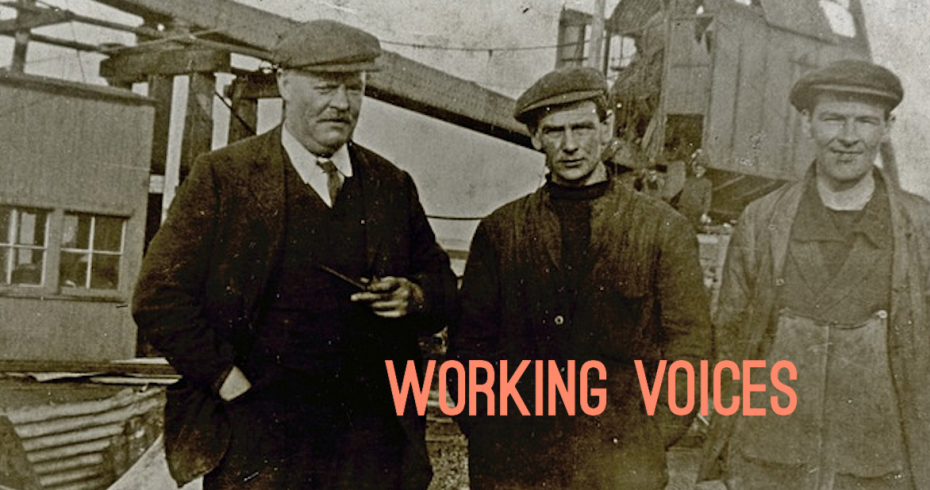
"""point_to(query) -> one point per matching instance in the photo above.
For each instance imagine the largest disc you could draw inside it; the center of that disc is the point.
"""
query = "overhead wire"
(234, 113)
(440, 47)
(75, 39)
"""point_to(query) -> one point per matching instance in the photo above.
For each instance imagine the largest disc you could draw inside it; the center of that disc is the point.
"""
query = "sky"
(502, 45)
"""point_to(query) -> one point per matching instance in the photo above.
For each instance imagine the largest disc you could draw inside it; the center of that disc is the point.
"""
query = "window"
(23, 235)
(91, 249)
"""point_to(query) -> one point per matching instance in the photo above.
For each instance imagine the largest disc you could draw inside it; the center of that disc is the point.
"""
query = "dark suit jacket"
(642, 298)
(205, 272)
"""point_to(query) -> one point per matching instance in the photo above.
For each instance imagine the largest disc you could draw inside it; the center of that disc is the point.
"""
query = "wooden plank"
(779, 114)
(40, 84)
(138, 66)
(402, 82)
(140, 366)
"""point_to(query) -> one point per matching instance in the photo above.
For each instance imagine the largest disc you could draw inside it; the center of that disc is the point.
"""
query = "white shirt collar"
(304, 163)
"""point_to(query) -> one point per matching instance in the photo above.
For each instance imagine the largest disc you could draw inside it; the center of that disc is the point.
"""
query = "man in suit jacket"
(283, 362)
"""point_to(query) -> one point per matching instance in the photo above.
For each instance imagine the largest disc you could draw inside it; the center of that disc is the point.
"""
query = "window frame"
(51, 287)
(92, 252)
(13, 246)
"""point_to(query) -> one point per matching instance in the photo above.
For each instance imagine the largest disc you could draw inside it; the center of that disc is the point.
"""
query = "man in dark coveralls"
(283, 363)
(832, 273)
(582, 269)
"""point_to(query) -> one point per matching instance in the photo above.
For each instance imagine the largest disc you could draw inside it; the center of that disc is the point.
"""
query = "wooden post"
(161, 88)
(198, 124)
(243, 120)
(594, 59)
(21, 41)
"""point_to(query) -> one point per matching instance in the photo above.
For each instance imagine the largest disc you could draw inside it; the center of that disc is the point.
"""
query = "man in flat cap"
(581, 270)
(832, 273)
(291, 266)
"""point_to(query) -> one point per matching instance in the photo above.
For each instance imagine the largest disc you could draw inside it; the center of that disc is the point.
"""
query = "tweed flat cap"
(327, 46)
(562, 86)
(851, 77)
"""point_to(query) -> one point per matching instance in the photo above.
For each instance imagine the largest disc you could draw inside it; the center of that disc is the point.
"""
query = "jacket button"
(559, 319)
(882, 314)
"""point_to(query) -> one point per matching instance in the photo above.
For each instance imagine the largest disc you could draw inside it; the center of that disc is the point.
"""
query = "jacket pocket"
(197, 432)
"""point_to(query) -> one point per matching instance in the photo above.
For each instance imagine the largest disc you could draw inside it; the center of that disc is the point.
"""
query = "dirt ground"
(447, 446)
(449, 454)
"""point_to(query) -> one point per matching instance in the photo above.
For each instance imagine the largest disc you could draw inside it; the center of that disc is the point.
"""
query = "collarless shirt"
(304, 162)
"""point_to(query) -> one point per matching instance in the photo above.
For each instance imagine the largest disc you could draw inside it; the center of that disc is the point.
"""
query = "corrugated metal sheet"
(87, 445)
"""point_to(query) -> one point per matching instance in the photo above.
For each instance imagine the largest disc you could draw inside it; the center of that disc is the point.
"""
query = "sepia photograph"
(485, 245)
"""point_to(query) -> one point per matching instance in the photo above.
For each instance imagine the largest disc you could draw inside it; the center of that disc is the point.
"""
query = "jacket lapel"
(266, 178)
(544, 229)
(373, 207)
(779, 227)
(265, 181)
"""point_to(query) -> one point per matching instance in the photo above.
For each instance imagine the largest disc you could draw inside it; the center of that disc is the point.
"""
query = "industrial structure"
(715, 75)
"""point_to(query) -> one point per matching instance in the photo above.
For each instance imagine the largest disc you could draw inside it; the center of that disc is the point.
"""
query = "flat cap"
(327, 46)
(562, 86)
(848, 76)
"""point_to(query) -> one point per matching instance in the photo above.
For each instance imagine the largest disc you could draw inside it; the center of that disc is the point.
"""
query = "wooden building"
(75, 180)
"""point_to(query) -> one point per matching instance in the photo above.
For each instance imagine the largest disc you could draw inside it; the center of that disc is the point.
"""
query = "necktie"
(333, 177)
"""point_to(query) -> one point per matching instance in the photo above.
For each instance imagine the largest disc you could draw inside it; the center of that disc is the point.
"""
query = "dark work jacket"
(643, 298)
(201, 285)
(748, 303)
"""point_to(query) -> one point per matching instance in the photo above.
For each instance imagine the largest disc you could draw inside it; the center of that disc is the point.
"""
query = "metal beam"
(27, 21)
(138, 66)
(55, 41)
(46, 16)
(402, 81)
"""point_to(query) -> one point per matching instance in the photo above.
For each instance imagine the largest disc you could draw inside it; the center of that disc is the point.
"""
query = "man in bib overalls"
(832, 273)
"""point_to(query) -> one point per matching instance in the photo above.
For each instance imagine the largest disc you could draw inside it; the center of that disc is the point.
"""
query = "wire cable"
(481, 49)
(234, 113)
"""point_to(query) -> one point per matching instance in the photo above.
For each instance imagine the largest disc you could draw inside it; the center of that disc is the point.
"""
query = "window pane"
(69, 231)
(5, 213)
(104, 273)
(31, 227)
(4, 265)
(108, 234)
(73, 270)
(28, 267)
(76, 233)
